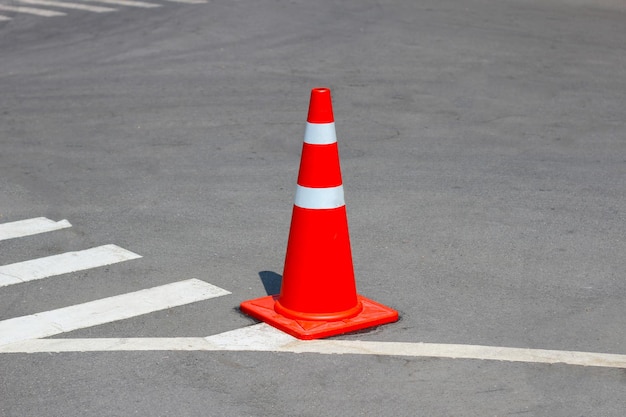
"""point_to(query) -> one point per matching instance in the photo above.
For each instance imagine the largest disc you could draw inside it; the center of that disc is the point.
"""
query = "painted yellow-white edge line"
(262, 337)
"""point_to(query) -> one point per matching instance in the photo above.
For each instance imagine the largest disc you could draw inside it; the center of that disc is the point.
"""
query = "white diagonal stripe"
(4, 18)
(320, 133)
(106, 310)
(128, 3)
(30, 227)
(66, 5)
(62, 264)
(31, 10)
(319, 198)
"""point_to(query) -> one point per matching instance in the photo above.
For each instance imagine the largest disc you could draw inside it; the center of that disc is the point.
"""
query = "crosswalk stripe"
(31, 10)
(4, 18)
(66, 5)
(64, 263)
(106, 310)
(30, 227)
(128, 3)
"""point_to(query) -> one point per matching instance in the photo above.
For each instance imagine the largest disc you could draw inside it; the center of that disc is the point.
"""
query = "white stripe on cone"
(320, 133)
(319, 198)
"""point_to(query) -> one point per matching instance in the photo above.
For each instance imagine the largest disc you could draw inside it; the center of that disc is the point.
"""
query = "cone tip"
(320, 107)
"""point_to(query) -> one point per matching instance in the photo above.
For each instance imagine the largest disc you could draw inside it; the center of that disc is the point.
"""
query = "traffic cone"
(318, 296)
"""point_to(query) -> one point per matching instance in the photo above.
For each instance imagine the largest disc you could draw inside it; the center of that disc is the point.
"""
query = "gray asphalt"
(483, 151)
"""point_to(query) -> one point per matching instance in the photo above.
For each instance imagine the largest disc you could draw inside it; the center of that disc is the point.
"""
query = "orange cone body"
(318, 296)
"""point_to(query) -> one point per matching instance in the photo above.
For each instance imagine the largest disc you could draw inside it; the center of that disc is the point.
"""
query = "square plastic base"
(373, 314)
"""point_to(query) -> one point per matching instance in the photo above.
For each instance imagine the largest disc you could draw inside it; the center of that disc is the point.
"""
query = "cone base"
(373, 314)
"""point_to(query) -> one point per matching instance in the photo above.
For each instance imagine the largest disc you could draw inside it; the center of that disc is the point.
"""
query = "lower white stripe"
(262, 337)
(32, 10)
(4, 18)
(62, 264)
(106, 310)
(30, 227)
(65, 5)
(319, 198)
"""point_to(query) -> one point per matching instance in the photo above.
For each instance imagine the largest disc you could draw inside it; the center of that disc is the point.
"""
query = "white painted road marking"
(64, 263)
(24, 334)
(31, 10)
(66, 5)
(106, 310)
(30, 227)
(4, 18)
(262, 337)
(129, 3)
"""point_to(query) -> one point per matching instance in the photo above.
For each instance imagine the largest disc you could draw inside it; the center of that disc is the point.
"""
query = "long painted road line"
(106, 310)
(264, 338)
(64, 263)
(30, 227)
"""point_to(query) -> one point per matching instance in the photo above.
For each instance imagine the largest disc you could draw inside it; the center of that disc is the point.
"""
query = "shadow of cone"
(318, 296)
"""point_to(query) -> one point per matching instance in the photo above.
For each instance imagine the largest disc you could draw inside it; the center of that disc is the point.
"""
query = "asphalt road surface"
(483, 152)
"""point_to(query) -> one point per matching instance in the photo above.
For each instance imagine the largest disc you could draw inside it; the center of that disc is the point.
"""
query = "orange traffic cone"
(318, 295)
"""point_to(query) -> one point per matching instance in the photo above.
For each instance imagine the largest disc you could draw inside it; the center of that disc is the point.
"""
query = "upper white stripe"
(320, 133)
(319, 198)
